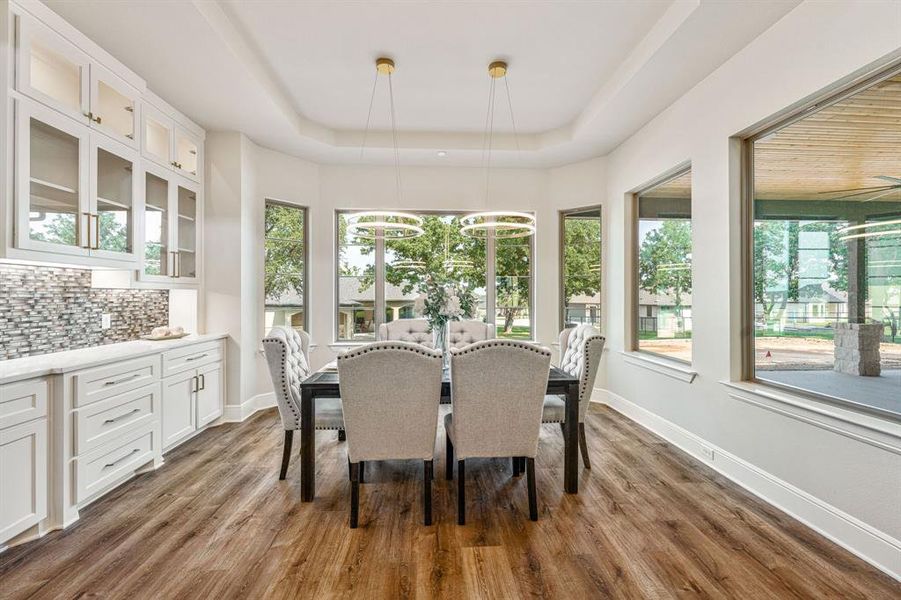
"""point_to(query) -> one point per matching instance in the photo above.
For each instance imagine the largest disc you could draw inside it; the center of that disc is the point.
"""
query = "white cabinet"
(169, 144)
(209, 394)
(172, 219)
(23, 456)
(178, 413)
(75, 189)
(56, 73)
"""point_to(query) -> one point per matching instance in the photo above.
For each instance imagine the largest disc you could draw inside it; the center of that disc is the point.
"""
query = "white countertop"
(55, 363)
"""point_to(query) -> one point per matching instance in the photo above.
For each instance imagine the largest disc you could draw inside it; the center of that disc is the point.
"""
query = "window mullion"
(379, 280)
(490, 279)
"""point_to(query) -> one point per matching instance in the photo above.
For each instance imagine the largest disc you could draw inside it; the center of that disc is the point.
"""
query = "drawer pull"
(123, 380)
(116, 462)
(202, 382)
(193, 358)
(120, 417)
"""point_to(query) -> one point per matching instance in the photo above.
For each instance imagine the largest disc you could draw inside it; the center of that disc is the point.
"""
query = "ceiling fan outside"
(878, 191)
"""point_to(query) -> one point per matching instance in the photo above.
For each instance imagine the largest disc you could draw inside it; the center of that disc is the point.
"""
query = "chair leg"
(517, 466)
(362, 471)
(286, 453)
(448, 458)
(533, 493)
(583, 446)
(563, 428)
(342, 435)
(461, 492)
(354, 494)
(427, 475)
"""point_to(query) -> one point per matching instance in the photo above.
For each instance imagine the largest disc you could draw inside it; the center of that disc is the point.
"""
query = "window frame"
(563, 214)
(840, 91)
(634, 291)
(379, 265)
(267, 201)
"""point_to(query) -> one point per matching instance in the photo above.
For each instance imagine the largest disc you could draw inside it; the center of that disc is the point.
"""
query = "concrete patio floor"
(883, 393)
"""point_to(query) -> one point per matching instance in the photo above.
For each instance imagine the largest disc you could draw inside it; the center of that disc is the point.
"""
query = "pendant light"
(385, 224)
(503, 224)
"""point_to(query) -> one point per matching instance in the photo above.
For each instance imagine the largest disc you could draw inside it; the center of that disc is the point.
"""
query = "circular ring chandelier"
(505, 224)
(385, 225)
(457, 264)
(408, 264)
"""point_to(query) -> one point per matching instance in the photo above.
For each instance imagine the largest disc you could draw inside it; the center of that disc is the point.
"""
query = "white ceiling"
(297, 76)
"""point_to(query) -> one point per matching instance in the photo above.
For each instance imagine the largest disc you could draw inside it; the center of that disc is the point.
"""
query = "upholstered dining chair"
(407, 330)
(463, 333)
(497, 393)
(580, 350)
(287, 351)
(391, 392)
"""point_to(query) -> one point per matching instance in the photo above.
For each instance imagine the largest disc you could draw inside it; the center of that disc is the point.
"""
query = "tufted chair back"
(286, 354)
(581, 347)
(407, 330)
(463, 333)
(497, 392)
(391, 392)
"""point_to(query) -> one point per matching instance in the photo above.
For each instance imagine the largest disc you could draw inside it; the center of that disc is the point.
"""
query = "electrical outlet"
(707, 452)
(106, 321)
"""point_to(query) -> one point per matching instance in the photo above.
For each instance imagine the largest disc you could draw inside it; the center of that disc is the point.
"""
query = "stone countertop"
(56, 363)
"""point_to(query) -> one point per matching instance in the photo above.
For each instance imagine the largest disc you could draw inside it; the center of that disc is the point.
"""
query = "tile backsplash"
(49, 309)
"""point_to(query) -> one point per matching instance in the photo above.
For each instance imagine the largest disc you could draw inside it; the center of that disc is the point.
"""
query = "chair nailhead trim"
(500, 343)
(397, 345)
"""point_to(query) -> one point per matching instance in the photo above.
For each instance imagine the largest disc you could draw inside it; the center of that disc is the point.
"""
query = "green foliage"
(446, 301)
(61, 229)
(284, 264)
(663, 257)
(581, 257)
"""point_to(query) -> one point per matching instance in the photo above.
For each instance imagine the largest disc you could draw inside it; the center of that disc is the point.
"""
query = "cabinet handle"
(117, 461)
(88, 245)
(202, 381)
(173, 272)
(120, 417)
(91, 117)
(177, 165)
(96, 245)
(193, 358)
(123, 380)
(195, 381)
(130, 109)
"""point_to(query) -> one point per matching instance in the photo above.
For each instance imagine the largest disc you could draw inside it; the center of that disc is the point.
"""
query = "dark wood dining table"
(325, 384)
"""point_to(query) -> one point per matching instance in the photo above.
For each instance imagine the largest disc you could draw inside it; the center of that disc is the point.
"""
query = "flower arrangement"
(443, 301)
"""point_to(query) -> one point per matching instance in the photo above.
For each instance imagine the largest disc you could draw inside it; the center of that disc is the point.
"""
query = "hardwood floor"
(650, 522)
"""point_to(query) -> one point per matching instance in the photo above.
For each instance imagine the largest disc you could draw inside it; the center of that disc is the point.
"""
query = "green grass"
(519, 333)
(648, 335)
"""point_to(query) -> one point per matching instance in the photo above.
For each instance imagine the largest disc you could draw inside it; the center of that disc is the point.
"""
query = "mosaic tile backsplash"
(49, 309)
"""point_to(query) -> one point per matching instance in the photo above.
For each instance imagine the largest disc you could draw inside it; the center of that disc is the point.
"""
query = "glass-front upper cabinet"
(157, 252)
(158, 133)
(51, 70)
(186, 232)
(114, 106)
(186, 153)
(114, 190)
(52, 201)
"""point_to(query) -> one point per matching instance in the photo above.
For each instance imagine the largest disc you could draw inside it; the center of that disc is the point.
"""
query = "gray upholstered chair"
(407, 330)
(391, 392)
(580, 351)
(463, 333)
(286, 351)
(497, 392)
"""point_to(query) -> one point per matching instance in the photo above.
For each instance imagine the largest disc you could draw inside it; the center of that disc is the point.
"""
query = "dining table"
(325, 384)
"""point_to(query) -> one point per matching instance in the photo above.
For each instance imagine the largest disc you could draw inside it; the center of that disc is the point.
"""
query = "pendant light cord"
(375, 84)
(489, 137)
(512, 118)
(394, 136)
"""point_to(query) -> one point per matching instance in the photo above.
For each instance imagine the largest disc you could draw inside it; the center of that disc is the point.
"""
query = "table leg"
(571, 441)
(307, 447)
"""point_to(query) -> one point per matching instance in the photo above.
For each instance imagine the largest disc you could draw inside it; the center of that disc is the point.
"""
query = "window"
(379, 280)
(285, 265)
(823, 287)
(663, 257)
(580, 267)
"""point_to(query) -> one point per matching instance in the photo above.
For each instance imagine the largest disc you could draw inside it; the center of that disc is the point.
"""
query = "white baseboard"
(237, 413)
(876, 547)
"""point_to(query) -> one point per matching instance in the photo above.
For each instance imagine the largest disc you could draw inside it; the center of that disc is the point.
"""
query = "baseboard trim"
(237, 413)
(870, 544)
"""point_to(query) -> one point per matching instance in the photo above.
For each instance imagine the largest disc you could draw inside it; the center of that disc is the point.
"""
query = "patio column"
(857, 342)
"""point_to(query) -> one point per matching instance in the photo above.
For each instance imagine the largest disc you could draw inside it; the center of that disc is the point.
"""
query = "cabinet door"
(114, 106)
(209, 394)
(157, 136)
(52, 207)
(187, 149)
(186, 231)
(177, 410)
(114, 190)
(157, 224)
(51, 70)
(23, 471)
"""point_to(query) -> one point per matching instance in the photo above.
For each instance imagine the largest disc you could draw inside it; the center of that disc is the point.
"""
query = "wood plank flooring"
(650, 522)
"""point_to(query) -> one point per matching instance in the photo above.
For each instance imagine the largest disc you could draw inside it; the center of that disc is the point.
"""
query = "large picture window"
(379, 280)
(662, 298)
(580, 267)
(285, 265)
(824, 283)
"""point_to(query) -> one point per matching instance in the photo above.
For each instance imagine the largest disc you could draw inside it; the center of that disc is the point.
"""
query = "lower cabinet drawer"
(23, 401)
(191, 357)
(101, 468)
(100, 422)
(96, 384)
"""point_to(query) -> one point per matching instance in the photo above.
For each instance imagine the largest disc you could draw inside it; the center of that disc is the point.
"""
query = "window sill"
(670, 368)
(881, 432)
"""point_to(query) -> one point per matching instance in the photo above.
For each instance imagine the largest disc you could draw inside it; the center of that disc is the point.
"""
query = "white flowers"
(451, 308)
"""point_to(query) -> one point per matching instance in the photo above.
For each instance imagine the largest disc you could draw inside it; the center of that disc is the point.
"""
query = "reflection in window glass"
(356, 286)
(513, 291)
(664, 268)
(285, 266)
(581, 266)
(826, 280)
